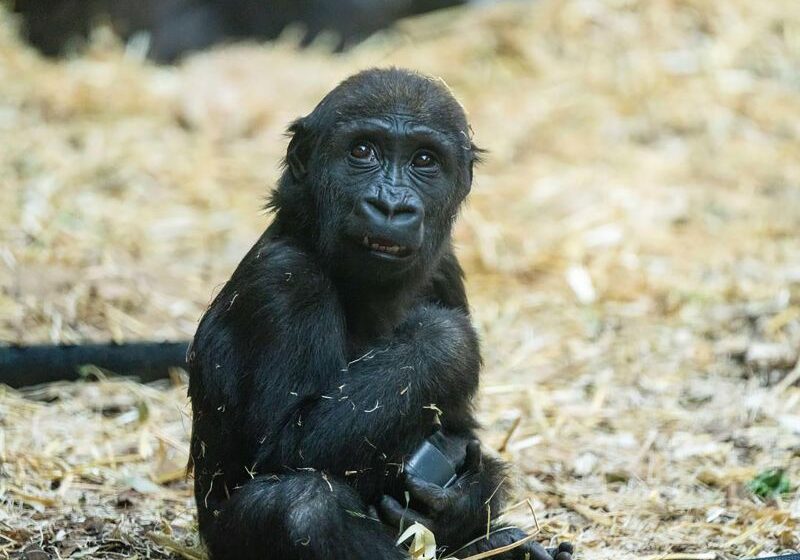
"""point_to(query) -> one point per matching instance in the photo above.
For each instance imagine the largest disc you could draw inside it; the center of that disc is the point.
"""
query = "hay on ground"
(631, 245)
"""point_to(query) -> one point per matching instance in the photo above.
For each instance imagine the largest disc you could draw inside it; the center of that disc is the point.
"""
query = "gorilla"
(341, 354)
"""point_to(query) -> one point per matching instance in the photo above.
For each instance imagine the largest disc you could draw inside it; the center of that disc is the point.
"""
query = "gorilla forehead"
(387, 93)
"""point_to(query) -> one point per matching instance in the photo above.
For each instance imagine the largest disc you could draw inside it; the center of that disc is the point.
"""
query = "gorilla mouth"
(385, 247)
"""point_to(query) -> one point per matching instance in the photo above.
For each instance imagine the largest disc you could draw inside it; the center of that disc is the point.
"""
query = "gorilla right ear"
(299, 150)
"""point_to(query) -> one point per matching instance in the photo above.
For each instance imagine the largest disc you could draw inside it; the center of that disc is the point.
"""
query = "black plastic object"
(438, 459)
(31, 365)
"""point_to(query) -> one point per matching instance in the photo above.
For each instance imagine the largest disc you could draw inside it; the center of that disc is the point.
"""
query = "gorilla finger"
(394, 513)
(566, 547)
(473, 462)
(564, 551)
(536, 551)
(432, 495)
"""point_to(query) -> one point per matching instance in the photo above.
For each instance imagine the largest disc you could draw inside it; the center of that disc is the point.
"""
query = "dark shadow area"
(177, 27)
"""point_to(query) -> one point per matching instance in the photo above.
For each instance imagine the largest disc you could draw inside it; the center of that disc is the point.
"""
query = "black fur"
(322, 365)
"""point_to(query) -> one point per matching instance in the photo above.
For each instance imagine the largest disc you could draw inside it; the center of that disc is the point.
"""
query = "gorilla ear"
(299, 150)
(476, 157)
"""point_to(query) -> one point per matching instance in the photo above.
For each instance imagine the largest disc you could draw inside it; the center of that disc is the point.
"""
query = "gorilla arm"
(288, 376)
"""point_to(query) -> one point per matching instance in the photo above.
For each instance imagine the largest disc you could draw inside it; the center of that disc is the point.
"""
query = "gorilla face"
(400, 180)
(385, 170)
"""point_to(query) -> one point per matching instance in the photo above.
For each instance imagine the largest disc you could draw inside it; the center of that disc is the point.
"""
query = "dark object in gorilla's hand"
(314, 371)
(436, 461)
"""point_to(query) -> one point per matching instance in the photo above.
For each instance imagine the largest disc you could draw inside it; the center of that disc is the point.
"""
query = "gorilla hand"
(445, 511)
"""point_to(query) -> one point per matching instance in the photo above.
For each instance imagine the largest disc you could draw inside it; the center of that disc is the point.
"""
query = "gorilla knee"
(318, 507)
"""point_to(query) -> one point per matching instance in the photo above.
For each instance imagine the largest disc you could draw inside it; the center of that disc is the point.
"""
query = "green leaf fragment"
(770, 483)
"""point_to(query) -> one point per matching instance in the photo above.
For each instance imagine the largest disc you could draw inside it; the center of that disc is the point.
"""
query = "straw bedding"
(632, 246)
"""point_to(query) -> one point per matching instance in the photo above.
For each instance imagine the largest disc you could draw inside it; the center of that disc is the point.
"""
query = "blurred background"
(632, 248)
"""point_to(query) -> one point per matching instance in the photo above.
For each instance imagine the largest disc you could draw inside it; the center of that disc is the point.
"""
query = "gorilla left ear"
(476, 157)
(299, 150)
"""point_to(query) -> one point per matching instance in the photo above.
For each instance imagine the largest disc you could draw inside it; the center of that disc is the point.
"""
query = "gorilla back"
(343, 340)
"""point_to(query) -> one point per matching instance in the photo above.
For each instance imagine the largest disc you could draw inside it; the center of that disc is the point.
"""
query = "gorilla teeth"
(391, 249)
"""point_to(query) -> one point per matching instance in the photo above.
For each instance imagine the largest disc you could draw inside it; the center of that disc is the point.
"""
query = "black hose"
(32, 365)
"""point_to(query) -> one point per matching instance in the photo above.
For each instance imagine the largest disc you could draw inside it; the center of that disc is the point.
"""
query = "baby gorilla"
(342, 338)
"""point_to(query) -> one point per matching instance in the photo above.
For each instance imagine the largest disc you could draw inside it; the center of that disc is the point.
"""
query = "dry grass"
(632, 245)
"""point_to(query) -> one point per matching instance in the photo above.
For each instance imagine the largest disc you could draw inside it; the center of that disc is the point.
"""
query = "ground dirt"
(632, 246)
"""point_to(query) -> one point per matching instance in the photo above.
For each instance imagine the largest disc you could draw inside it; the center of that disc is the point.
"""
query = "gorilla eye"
(424, 159)
(362, 151)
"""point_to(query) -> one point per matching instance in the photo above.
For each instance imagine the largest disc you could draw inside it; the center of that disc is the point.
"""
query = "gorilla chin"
(386, 245)
(376, 260)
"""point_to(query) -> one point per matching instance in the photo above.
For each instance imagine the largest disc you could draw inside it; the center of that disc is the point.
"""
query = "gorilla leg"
(300, 516)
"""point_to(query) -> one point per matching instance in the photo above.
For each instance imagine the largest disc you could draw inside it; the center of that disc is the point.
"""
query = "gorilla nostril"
(405, 208)
(373, 203)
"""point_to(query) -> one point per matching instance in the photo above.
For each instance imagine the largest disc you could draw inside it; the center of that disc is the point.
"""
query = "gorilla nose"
(402, 212)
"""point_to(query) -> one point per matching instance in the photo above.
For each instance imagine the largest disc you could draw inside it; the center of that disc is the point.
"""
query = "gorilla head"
(376, 173)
